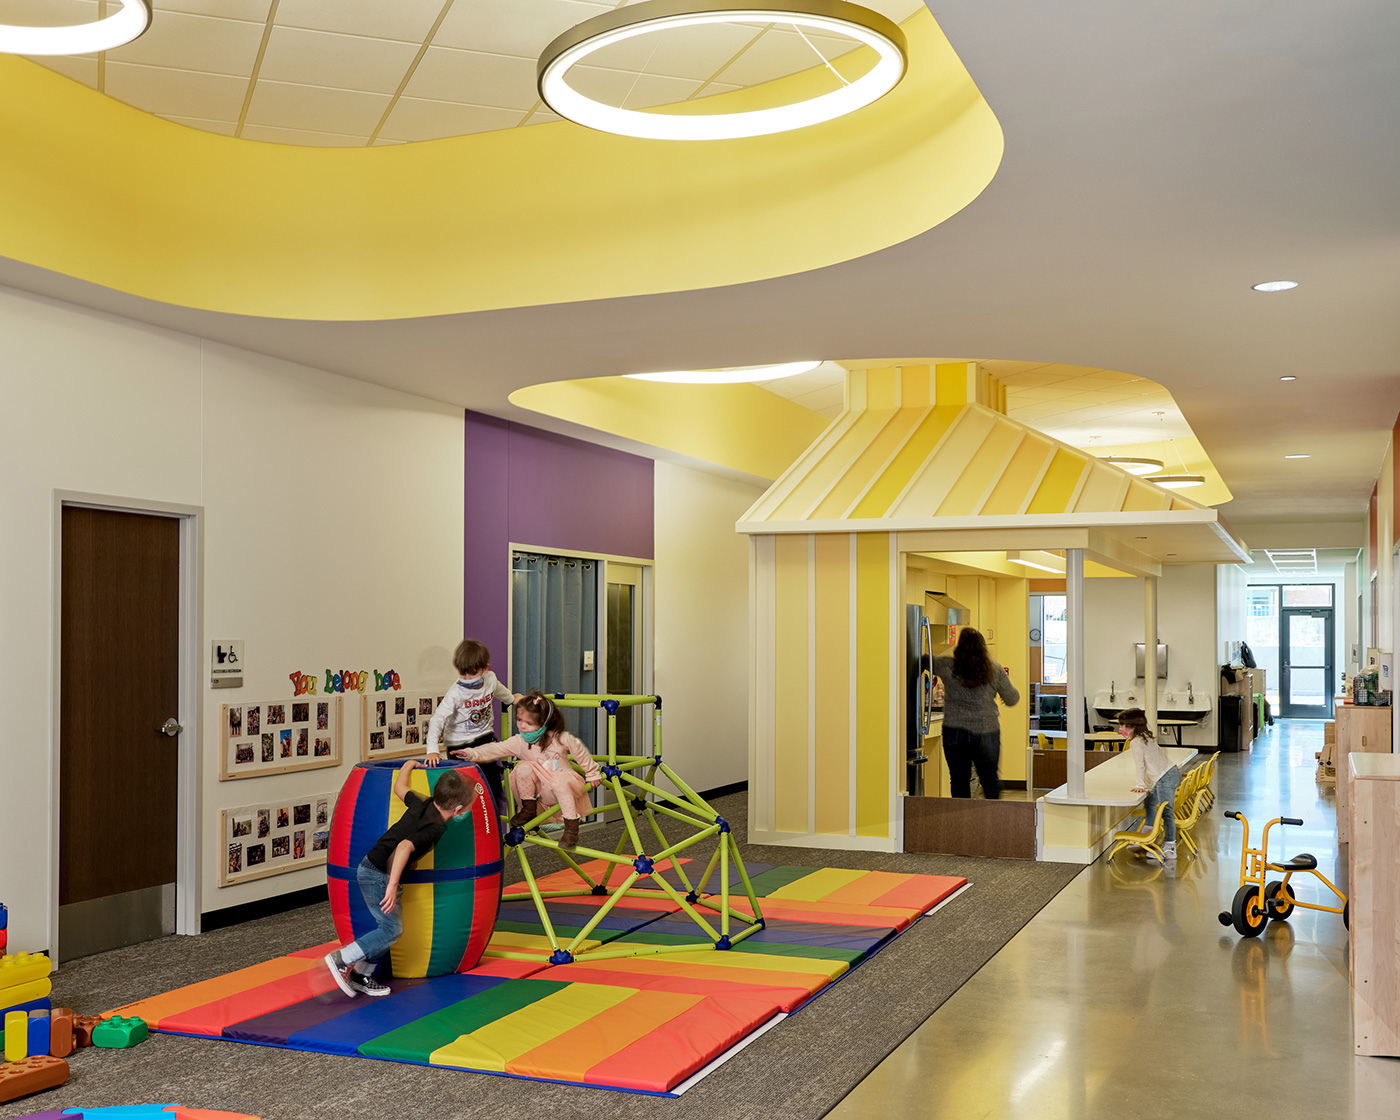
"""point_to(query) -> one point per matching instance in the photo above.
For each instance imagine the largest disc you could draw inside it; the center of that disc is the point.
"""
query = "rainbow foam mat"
(643, 1024)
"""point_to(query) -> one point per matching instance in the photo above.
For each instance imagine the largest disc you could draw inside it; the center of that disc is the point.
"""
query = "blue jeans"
(377, 942)
(1163, 792)
(965, 749)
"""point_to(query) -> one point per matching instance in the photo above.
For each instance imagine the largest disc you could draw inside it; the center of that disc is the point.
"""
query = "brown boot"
(528, 811)
(570, 837)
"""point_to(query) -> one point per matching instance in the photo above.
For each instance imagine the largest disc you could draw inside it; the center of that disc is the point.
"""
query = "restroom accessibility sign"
(226, 664)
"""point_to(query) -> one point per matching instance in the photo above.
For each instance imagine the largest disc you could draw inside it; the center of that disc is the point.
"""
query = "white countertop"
(1385, 767)
(1111, 782)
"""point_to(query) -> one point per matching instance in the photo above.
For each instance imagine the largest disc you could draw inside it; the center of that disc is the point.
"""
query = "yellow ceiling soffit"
(552, 213)
(741, 427)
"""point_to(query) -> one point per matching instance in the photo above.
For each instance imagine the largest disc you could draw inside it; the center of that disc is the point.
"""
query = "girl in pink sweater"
(542, 775)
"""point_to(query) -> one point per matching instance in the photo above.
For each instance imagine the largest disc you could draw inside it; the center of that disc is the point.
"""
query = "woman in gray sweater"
(971, 726)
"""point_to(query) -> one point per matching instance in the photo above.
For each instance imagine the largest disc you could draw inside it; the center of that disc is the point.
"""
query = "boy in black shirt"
(408, 839)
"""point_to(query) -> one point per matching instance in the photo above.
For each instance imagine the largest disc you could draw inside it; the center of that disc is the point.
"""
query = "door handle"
(171, 727)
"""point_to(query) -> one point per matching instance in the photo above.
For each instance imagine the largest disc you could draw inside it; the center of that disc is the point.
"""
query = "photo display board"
(278, 736)
(395, 724)
(274, 837)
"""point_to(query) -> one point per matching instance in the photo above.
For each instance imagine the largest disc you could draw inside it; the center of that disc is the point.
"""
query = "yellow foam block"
(23, 993)
(21, 969)
(493, 1046)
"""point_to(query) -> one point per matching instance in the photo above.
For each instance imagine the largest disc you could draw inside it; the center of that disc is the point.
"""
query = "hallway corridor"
(1126, 998)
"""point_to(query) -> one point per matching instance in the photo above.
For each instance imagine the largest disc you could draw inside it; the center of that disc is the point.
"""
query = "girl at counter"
(1156, 776)
(972, 681)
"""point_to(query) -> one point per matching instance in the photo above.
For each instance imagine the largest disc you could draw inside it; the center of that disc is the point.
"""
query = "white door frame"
(189, 708)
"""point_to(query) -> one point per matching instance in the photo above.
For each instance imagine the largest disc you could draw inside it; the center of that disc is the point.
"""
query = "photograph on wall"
(396, 726)
(268, 839)
(259, 738)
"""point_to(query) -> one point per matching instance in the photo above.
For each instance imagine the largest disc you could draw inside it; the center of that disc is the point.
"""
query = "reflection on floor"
(1125, 997)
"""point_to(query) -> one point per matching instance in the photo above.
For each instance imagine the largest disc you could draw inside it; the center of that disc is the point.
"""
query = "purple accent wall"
(532, 487)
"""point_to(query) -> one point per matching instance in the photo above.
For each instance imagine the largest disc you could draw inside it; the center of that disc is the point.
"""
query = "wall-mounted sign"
(226, 664)
(347, 680)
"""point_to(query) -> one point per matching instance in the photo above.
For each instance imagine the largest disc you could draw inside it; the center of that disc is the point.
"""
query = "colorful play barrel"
(450, 896)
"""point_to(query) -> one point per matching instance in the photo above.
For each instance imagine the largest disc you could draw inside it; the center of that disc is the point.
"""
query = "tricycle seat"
(1301, 862)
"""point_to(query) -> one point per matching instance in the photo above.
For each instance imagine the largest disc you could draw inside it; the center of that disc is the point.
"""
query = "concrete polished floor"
(1126, 998)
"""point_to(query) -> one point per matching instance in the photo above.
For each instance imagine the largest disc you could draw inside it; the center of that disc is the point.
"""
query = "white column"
(1074, 654)
(1149, 660)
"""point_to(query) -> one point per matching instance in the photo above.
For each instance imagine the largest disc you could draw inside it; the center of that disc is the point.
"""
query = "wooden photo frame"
(274, 837)
(257, 737)
(395, 724)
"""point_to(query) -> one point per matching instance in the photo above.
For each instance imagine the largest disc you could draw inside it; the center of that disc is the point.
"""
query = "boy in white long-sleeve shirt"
(465, 716)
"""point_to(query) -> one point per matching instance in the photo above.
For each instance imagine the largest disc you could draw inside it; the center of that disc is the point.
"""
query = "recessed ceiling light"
(1297, 456)
(1133, 465)
(822, 17)
(1288, 379)
(1275, 285)
(116, 30)
(732, 376)
(1177, 481)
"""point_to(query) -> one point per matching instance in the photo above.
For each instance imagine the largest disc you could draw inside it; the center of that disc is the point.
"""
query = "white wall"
(1231, 612)
(1186, 606)
(702, 627)
(333, 538)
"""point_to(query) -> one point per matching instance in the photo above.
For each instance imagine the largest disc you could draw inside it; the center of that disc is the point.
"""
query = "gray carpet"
(800, 1069)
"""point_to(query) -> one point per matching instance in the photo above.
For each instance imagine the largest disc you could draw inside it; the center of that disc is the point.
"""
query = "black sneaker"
(340, 973)
(368, 985)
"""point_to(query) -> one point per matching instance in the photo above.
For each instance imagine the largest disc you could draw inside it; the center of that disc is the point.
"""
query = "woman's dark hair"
(1135, 720)
(545, 711)
(972, 664)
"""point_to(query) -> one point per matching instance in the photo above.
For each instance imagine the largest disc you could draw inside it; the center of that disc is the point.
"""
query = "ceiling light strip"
(835, 17)
(102, 34)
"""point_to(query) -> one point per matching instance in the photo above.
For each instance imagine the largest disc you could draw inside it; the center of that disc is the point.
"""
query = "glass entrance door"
(1306, 688)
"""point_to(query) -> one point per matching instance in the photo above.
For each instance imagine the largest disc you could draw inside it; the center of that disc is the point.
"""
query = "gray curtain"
(554, 618)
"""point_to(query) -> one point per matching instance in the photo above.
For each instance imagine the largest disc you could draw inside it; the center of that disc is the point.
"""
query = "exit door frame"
(189, 753)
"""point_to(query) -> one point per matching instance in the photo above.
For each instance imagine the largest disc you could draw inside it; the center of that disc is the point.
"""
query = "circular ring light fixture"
(826, 17)
(735, 375)
(116, 30)
(1177, 481)
(1275, 285)
(1133, 465)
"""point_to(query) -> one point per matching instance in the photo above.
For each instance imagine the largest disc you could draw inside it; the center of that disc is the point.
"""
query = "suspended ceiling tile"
(775, 54)
(202, 43)
(417, 119)
(382, 143)
(541, 116)
(300, 137)
(316, 109)
(185, 93)
(255, 10)
(47, 13)
(630, 91)
(336, 61)
(406, 20)
(712, 88)
(696, 52)
(223, 128)
(516, 27)
(81, 68)
(474, 78)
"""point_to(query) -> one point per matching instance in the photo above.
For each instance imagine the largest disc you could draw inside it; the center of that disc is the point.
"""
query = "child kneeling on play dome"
(407, 840)
(543, 776)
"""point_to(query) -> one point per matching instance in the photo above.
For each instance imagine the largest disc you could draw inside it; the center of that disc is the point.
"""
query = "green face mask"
(532, 737)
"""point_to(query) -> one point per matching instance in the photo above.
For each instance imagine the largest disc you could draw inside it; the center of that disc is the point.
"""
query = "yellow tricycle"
(1257, 900)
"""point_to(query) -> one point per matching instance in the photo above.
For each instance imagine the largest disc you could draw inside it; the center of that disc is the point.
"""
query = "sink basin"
(1171, 703)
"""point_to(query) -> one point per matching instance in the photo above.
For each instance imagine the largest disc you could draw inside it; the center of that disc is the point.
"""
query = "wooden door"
(118, 770)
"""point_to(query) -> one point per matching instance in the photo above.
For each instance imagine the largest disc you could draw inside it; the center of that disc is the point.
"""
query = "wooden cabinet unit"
(1374, 856)
(1363, 731)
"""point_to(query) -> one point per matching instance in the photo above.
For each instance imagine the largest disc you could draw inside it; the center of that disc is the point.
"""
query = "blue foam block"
(39, 1032)
(32, 1005)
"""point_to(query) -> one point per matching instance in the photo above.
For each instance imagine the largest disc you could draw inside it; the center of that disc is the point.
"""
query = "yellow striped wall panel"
(831, 468)
(789, 699)
(883, 447)
(910, 458)
(1018, 478)
(872, 693)
(1057, 487)
(1104, 490)
(834, 673)
(960, 445)
(981, 471)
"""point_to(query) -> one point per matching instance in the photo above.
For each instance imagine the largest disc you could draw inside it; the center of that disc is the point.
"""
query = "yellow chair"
(1150, 841)
(1042, 741)
(1207, 769)
(1187, 818)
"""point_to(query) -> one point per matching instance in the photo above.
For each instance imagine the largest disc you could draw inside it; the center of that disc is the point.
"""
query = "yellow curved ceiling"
(550, 214)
